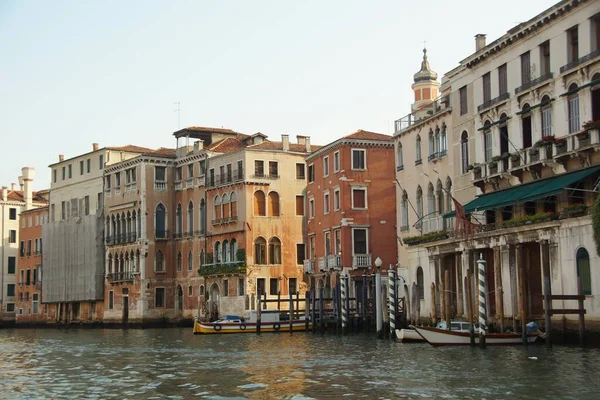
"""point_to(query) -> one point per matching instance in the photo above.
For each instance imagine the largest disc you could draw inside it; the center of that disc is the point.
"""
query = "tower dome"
(425, 74)
(426, 87)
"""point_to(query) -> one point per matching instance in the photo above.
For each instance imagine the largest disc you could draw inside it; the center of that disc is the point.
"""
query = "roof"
(295, 147)
(36, 210)
(226, 145)
(160, 152)
(202, 129)
(366, 135)
(17, 195)
(130, 147)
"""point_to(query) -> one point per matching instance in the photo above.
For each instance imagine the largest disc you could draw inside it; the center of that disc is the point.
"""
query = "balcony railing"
(361, 261)
(334, 261)
(131, 187)
(161, 234)
(493, 102)
(309, 266)
(160, 186)
(580, 60)
(200, 180)
(237, 175)
(120, 276)
(533, 83)
(189, 183)
(429, 110)
(178, 185)
(322, 264)
(177, 235)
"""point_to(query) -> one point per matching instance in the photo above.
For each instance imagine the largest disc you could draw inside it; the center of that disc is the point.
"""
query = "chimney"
(301, 139)
(479, 41)
(28, 175)
(307, 143)
(13, 186)
(198, 145)
(4, 193)
(61, 157)
(21, 182)
(95, 146)
(285, 141)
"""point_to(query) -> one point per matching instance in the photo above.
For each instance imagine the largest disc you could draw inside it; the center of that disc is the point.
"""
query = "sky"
(75, 73)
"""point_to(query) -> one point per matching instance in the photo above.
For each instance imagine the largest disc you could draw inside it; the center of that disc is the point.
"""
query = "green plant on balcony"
(560, 142)
(548, 139)
(496, 158)
(529, 219)
(591, 125)
(222, 269)
(514, 157)
(573, 211)
(429, 237)
(474, 167)
(538, 144)
(240, 255)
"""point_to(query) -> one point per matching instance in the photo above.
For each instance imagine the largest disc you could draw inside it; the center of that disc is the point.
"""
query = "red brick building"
(351, 209)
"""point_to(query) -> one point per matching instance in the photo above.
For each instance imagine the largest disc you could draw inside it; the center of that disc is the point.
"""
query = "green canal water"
(174, 364)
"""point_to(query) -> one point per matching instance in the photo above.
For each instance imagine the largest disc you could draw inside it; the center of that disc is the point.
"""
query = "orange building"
(29, 269)
(351, 207)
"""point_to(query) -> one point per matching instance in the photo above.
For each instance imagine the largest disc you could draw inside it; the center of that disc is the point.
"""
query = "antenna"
(178, 110)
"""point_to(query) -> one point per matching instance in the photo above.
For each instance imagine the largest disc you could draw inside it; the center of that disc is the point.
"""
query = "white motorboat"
(411, 335)
(444, 337)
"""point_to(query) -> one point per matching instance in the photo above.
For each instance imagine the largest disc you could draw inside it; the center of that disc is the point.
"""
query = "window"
(326, 166)
(179, 220)
(572, 44)
(28, 248)
(202, 216)
(259, 203)
(530, 208)
(70, 171)
(545, 58)
(101, 161)
(359, 241)
(259, 168)
(595, 26)
(300, 253)
(54, 175)
(63, 212)
(159, 297)
(336, 161)
(86, 205)
(359, 197)
(337, 242)
(573, 101)
(10, 307)
(35, 303)
(525, 68)
(225, 287)
(159, 262)
(111, 300)
(190, 170)
(190, 291)
(399, 158)
(359, 161)
(178, 174)
(12, 236)
(420, 284)
(12, 214)
(326, 202)
(241, 285)
(327, 242)
(440, 197)
(502, 80)
(419, 206)
(160, 174)
(546, 117)
(274, 251)
(487, 144)
(300, 171)
(487, 88)
(311, 247)
(239, 174)
(431, 144)
(299, 205)
(462, 94)
(233, 204)
(418, 150)
(64, 173)
(10, 290)
(81, 167)
(12, 265)
(211, 177)
(273, 204)
(464, 151)
(89, 165)
(260, 286)
(218, 253)
(293, 285)
(273, 169)
(311, 207)
(260, 251)
(404, 211)
(583, 271)
(179, 262)
(190, 219)
(336, 199)
(273, 286)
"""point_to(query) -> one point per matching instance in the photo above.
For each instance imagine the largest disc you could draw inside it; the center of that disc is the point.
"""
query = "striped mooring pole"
(344, 292)
(482, 305)
(392, 302)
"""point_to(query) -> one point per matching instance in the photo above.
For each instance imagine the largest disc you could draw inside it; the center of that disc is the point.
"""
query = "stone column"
(521, 280)
(498, 287)
(459, 284)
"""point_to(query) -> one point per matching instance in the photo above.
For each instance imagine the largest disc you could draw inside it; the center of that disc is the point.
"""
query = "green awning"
(527, 192)
(542, 104)
(570, 92)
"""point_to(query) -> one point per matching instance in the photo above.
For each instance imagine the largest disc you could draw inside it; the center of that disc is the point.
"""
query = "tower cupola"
(426, 86)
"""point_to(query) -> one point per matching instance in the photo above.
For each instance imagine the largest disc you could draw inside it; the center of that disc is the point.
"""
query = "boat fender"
(276, 326)
(217, 327)
(242, 327)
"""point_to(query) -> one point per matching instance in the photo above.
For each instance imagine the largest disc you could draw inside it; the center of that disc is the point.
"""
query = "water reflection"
(173, 363)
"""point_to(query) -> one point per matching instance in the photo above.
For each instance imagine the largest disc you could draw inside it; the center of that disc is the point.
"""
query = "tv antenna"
(178, 110)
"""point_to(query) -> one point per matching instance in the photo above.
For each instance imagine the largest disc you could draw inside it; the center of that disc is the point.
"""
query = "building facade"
(523, 119)
(350, 209)
(13, 202)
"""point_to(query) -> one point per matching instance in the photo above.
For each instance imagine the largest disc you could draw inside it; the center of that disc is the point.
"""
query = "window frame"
(326, 202)
(336, 161)
(325, 166)
(362, 188)
(364, 152)
(354, 229)
(164, 297)
(336, 199)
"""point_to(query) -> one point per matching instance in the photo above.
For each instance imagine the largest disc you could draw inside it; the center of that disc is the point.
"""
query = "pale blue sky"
(73, 73)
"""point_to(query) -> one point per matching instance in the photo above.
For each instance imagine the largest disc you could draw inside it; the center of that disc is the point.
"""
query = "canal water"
(172, 363)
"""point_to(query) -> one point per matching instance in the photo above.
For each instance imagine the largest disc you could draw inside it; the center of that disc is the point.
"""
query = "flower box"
(591, 125)
(576, 210)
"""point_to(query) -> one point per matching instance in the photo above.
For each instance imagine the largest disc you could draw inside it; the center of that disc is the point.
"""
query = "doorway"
(179, 302)
(534, 304)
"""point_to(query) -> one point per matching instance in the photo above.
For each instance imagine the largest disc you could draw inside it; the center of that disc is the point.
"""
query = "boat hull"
(212, 329)
(408, 335)
(443, 337)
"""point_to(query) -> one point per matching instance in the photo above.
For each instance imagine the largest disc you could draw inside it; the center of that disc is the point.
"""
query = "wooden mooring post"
(291, 311)
(470, 306)
(258, 316)
(549, 311)
(447, 297)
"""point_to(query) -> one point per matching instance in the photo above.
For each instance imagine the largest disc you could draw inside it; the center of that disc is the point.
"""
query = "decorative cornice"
(349, 142)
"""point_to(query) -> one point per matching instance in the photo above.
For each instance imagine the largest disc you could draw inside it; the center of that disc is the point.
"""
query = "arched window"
(107, 232)
(438, 141)
(190, 261)
(190, 290)
(418, 149)
(464, 151)
(160, 221)
(159, 262)
(487, 142)
(400, 159)
(448, 194)
(233, 204)
(234, 249)
(134, 231)
(431, 144)
(546, 116)
(573, 101)
(201, 290)
(440, 196)
(179, 220)
(583, 271)
(179, 262)
(420, 284)
(109, 266)
(419, 206)
(430, 200)
(123, 228)
(217, 208)
(118, 228)
(274, 251)
(226, 252)
(218, 253)
(137, 261)
(443, 141)
(128, 226)
(273, 204)
(404, 208)
(202, 216)
(260, 251)
(225, 206)
(190, 218)
(139, 223)
(526, 125)
(259, 203)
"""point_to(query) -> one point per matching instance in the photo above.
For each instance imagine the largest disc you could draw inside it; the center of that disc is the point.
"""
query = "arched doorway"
(179, 302)
(213, 302)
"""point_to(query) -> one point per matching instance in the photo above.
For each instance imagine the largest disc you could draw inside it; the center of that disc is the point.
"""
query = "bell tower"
(426, 86)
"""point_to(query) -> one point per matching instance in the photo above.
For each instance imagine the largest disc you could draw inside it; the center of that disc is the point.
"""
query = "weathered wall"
(73, 260)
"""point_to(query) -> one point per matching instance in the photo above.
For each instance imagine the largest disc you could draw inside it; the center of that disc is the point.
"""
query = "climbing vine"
(596, 223)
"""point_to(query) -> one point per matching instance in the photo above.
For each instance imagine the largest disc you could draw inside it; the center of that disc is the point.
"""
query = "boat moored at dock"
(270, 322)
(444, 337)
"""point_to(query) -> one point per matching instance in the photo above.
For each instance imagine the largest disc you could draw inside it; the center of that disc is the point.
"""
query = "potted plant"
(576, 210)
(496, 158)
(548, 139)
(583, 138)
(538, 144)
(591, 125)
(515, 157)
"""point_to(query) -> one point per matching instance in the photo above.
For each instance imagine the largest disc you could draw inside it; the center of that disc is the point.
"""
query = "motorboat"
(411, 335)
(445, 337)
(270, 322)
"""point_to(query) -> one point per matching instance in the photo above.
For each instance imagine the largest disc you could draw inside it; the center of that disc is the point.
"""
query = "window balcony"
(400, 168)
(309, 266)
(161, 234)
(334, 262)
(131, 187)
(200, 180)
(189, 183)
(178, 185)
(361, 261)
(432, 156)
(493, 102)
(418, 162)
(581, 60)
(322, 264)
(436, 223)
(526, 86)
(160, 186)
(116, 277)
(200, 232)
(177, 235)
